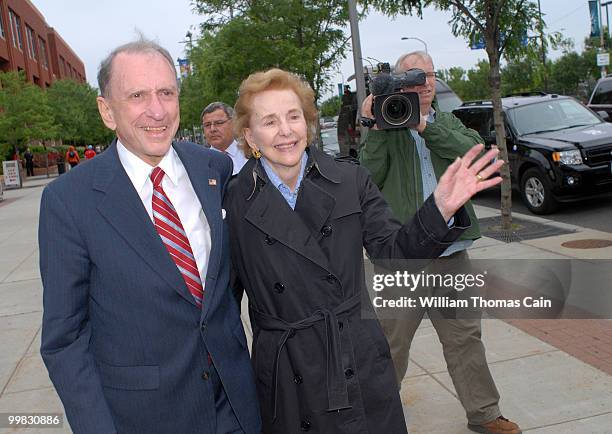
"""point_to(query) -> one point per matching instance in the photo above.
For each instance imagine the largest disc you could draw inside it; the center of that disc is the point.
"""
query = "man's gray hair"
(217, 105)
(420, 54)
(142, 45)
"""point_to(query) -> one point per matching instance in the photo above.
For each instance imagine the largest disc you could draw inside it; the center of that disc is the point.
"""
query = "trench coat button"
(340, 325)
(305, 425)
(291, 333)
(279, 287)
(326, 231)
(349, 373)
(205, 375)
(270, 240)
(298, 379)
(203, 327)
(331, 279)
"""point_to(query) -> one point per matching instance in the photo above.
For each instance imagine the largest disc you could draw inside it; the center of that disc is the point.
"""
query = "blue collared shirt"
(428, 177)
(290, 197)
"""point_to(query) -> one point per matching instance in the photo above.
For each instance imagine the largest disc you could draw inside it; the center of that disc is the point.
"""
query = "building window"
(1, 24)
(62, 67)
(31, 39)
(16, 29)
(43, 52)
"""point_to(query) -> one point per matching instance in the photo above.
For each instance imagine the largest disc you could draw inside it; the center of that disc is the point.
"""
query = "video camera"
(393, 108)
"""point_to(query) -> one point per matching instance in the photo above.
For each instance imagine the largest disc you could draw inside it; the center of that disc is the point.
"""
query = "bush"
(38, 149)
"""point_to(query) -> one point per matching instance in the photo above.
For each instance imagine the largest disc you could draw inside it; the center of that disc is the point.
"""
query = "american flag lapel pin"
(212, 181)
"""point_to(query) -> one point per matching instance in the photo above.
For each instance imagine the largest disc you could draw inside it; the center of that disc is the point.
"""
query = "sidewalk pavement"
(554, 376)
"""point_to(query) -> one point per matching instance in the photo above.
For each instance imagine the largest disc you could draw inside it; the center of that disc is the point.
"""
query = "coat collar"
(321, 162)
(123, 209)
(300, 230)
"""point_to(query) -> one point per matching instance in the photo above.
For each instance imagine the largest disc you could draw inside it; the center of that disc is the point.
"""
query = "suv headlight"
(567, 157)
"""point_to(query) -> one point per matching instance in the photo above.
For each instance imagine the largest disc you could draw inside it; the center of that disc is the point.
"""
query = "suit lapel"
(123, 209)
(206, 182)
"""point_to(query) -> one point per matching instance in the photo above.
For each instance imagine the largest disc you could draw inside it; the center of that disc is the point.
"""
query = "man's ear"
(106, 113)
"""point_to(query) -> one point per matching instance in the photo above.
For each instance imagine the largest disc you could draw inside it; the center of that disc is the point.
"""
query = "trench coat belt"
(337, 394)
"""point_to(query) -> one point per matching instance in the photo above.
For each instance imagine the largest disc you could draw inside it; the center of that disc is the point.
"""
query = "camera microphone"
(382, 85)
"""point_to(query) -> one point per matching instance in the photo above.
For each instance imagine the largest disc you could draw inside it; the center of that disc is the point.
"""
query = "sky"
(93, 28)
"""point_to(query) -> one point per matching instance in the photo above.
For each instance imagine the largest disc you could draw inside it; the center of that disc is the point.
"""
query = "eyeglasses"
(217, 124)
(432, 74)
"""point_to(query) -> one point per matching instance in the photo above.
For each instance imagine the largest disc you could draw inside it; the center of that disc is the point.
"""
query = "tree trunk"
(500, 132)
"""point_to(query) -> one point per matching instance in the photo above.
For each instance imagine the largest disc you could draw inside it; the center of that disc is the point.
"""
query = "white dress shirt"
(236, 154)
(178, 188)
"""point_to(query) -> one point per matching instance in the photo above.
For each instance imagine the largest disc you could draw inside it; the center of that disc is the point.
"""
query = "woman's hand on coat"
(464, 178)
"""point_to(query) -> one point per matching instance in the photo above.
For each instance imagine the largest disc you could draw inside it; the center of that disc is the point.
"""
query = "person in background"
(89, 152)
(72, 157)
(407, 165)
(29, 162)
(218, 130)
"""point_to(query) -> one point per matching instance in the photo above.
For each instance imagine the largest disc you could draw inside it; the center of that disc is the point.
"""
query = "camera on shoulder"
(393, 108)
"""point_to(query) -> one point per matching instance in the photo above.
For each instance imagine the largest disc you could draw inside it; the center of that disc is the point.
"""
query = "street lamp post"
(404, 38)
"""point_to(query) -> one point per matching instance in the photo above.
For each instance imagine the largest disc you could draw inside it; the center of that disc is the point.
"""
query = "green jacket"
(392, 159)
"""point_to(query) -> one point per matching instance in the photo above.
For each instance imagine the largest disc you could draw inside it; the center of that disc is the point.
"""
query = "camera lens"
(396, 109)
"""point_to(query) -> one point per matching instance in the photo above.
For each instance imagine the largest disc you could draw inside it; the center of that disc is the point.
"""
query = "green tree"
(502, 25)
(192, 100)
(331, 106)
(241, 37)
(569, 72)
(470, 85)
(25, 113)
(76, 113)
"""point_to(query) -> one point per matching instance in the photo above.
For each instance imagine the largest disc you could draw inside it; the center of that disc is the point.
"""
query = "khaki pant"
(463, 349)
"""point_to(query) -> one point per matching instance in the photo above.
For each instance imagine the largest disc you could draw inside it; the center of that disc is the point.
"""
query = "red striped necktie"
(170, 229)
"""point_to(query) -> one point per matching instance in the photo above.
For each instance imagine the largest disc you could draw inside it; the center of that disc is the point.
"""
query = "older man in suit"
(140, 332)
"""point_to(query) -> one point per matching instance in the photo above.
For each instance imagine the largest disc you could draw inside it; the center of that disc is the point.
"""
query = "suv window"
(603, 93)
(551, 115)
(480, 120)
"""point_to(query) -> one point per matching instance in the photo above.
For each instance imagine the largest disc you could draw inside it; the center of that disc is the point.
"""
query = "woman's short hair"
(272, 79)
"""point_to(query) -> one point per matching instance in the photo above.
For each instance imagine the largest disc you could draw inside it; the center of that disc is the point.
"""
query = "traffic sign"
(603, 59)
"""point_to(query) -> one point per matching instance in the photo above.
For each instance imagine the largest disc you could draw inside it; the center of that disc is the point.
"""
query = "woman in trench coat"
(299, 221)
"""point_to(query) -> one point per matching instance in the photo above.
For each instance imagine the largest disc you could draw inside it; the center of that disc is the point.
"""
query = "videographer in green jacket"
(406, 165)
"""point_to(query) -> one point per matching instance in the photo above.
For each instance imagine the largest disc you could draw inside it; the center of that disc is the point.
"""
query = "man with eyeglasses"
(406, 164)
(218, 131)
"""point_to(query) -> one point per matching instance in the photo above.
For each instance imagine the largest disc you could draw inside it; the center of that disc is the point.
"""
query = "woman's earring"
(256, 154)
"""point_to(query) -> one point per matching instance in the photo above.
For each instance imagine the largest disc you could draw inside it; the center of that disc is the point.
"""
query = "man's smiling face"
(142, 104)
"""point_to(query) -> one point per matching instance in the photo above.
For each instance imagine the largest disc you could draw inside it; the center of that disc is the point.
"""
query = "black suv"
(559, 150)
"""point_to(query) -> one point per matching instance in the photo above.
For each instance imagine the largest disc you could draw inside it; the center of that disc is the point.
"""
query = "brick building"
(28, 44)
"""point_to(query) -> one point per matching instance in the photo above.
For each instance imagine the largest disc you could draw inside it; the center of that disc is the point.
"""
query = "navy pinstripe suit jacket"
(124, 343)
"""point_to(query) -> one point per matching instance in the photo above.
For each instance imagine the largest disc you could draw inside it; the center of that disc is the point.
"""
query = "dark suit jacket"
(124, 343)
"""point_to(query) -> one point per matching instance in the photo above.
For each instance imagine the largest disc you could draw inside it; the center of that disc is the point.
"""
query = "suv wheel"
(536, 192)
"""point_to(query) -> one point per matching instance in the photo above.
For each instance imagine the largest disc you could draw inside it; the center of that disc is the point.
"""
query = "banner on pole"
(594, 13)
(184, 67)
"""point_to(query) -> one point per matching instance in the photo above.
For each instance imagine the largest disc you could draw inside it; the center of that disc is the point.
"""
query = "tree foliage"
(573, 73)
(472, 84)
(240, 37)
(67, 110)
(331, 106)
(76, 114)
(25, 113)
